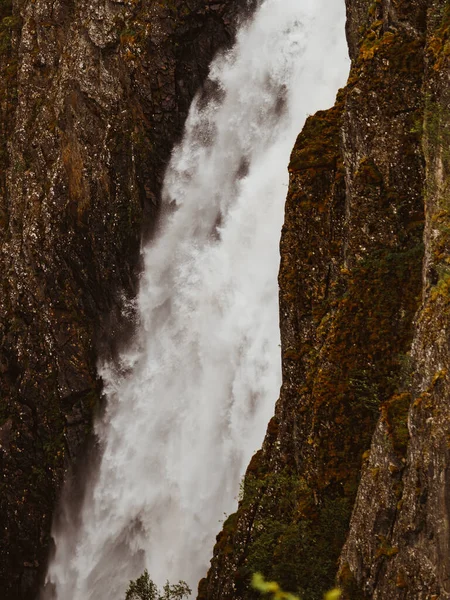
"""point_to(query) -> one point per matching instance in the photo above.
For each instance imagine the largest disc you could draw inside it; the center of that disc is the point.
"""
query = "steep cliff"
(352, 480)
(92, 97)
(402, 503)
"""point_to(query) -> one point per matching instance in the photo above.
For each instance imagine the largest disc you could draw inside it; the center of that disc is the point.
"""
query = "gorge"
(202, 373)
(351, 482)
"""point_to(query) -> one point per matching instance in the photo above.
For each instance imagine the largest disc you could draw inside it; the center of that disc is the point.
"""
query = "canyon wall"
(93, 96)
(352, 479)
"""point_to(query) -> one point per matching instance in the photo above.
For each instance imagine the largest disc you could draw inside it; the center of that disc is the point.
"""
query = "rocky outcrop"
(405, 554)
(92, 97)
(352, 480)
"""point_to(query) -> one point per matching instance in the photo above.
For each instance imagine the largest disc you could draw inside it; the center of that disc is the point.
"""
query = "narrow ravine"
(189, 402)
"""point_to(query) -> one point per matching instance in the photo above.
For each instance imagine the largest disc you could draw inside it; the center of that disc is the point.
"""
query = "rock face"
(92, 97)
(353, 478)
(411, 558)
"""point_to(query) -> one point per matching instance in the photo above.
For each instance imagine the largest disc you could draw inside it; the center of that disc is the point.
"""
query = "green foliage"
(438, 47)
(295, 541)
(395, 414)
(307, 552)
(178, 591)
(272, 587)
(143, 588)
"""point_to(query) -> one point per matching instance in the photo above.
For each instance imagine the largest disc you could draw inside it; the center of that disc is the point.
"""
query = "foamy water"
(192, 396)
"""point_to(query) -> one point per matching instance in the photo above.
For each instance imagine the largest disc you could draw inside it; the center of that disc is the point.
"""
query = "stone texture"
(407, 555)
(93, 95)
(352, 479)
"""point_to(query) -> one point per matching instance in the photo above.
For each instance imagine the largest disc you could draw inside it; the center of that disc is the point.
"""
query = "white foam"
(198, 385)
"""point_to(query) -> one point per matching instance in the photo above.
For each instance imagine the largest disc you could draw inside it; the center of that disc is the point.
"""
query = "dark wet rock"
(92, 97)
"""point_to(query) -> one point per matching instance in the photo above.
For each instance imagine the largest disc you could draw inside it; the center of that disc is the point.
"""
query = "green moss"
(317, 146)
(348, 583)
(293, 540)
(436, 133)
(385, 549)
(9, 23)
(395, 414)
(374, 40)
(386, 56)
(438, 47)
(368, 174)
(358, 368)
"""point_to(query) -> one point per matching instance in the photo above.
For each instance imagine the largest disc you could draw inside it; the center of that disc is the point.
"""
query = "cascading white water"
(194, 392)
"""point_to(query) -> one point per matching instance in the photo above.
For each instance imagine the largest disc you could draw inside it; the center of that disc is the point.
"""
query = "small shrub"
(143, 588)
(272, 587)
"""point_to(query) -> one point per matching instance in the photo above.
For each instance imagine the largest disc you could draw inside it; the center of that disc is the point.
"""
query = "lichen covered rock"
(411, 486)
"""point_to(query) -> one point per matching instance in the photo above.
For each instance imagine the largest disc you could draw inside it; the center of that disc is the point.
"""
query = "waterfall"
(189, 402)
